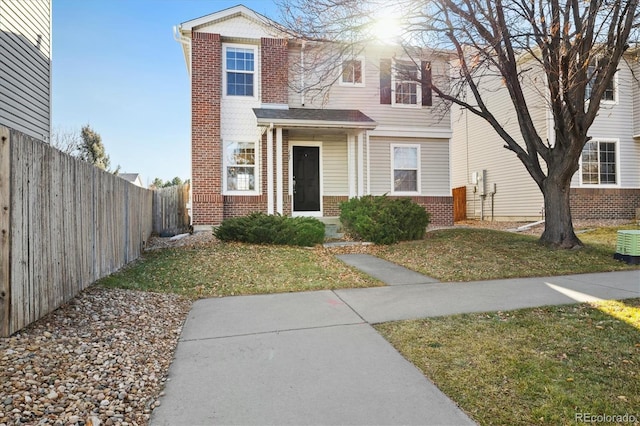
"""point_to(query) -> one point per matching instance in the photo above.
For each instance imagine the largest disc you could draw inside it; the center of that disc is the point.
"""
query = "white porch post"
(270, 170)
(279, 186)
(360, 164)
(351, 164)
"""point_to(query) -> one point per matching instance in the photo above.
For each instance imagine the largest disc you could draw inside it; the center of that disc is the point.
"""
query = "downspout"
(302, 73)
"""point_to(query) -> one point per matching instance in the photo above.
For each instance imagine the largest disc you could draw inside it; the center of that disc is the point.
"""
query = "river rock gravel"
(100, 359)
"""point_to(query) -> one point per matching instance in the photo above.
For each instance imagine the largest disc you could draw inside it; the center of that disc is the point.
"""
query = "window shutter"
(385, 81)
(427, 98)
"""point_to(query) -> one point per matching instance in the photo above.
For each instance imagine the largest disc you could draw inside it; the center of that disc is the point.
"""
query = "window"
(240, 69)
(353, 72)
(240, 166)
(599, 163)
(405, 84)
(406, 168)
(609, 95)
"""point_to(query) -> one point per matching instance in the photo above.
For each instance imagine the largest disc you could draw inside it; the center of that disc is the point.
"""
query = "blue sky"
(117, 68)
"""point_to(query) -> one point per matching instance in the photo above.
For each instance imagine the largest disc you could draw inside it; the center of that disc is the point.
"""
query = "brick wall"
(596, 203)
(439, 208)
(206, 160)
(275, 73)
(242, 205)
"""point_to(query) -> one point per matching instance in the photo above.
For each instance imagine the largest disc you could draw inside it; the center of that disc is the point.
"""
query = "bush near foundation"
(384, 220)
(261, 228)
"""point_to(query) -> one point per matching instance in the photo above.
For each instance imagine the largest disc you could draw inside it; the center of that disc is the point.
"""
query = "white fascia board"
(316, 123)
(417, 132)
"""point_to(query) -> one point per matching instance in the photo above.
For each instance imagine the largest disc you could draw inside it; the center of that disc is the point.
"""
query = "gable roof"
(222, 15)
(308, 117)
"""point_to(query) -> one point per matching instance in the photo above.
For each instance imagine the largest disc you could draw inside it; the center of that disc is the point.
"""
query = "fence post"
(5, 231)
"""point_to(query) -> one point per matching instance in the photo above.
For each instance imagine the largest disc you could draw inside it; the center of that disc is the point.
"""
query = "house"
(607, 184)
(261, 142)
(134, 178)
(25, 74)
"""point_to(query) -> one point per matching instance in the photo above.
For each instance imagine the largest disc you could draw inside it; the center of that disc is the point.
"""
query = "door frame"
(317, 144)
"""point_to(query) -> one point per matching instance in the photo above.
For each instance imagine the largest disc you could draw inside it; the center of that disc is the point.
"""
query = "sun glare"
(386, 26)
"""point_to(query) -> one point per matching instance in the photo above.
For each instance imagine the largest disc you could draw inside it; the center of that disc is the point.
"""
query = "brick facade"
(275, 71)
(206, 150)
(604, 203)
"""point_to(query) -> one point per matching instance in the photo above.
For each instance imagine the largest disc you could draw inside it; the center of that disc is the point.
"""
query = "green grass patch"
(228, 269)
(538, 366)
(481, 254)
(606, 236)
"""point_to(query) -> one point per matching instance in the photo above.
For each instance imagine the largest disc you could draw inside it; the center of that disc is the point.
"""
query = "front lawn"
(464, 254)
(542, 366)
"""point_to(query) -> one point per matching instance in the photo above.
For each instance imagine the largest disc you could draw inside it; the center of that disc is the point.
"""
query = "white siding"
(237, 27)
(434, 163)
(477, 147)
(613, 123)
(335, 167)
(25, 66)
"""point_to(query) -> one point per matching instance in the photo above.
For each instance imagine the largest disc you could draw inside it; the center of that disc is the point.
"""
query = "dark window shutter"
(427, 98)
(385, 81)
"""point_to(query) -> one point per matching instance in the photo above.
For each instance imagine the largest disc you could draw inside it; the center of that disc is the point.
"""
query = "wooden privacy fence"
(459, 203)
(64, 224)
(170, 215)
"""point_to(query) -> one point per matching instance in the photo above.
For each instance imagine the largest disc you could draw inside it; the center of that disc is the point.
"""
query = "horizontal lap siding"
(25, 71)
(335, 168)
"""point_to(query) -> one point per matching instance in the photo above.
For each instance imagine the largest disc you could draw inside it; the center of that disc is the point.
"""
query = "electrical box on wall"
(478, 179)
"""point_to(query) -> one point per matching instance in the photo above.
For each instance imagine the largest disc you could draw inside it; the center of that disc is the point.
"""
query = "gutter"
(186, 45)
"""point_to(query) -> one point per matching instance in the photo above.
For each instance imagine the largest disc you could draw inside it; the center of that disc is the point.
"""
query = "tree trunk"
(558, 230)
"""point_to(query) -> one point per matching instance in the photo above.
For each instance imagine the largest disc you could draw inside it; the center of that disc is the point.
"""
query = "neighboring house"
(607, 184)
(25, 66)
(134, 178)
(259, 145)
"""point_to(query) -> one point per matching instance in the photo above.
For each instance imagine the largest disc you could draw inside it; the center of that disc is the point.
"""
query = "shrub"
(384, 220)
(260, 228)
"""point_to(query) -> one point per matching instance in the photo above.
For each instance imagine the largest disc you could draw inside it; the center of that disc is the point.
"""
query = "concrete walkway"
(313, 358)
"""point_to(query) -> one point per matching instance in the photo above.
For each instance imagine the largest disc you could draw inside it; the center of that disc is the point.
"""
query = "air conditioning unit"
(628, 246)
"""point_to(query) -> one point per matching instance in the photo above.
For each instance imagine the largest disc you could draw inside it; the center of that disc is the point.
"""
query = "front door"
(306, 179)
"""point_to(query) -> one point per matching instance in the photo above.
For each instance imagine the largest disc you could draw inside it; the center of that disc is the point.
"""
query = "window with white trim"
(240, 70)
(599, 163)
(240, 167)
(610, 94)
(405, 168)
(352, 72)
(407, 90)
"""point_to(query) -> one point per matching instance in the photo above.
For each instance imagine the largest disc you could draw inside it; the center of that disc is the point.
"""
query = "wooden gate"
(459, 203)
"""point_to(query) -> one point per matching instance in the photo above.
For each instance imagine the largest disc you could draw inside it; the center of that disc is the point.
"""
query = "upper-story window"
(352, 72)
(599, 163)
(610, 94)
(405, 83)
(240, 70)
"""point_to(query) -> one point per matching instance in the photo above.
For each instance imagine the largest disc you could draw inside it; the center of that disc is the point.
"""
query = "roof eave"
(293, 123)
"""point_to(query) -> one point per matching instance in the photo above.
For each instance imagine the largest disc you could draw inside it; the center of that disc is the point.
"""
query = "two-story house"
(607, 184)
(260, 143)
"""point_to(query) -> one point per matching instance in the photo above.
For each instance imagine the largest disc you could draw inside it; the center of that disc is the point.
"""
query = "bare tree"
(67, 141)
(575, 47)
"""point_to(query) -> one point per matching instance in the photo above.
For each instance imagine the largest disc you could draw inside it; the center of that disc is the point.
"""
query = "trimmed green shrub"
(384, 220)
(260, 228)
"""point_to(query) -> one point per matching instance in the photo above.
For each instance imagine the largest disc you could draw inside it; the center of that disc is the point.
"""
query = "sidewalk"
(313, 358)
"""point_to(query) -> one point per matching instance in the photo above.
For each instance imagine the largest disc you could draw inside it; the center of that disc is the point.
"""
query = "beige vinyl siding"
(634, 68)
(25, 71)
(434, 165)
(477, 147)
(367, 98)
(612, 123)
(335, 167)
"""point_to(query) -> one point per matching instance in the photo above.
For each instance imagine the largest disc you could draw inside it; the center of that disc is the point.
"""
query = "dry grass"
(538, 366)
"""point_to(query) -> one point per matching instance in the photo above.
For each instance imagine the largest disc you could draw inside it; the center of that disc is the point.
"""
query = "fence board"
(170, 213)
(459, 203)
(67, 224)
(5, 230)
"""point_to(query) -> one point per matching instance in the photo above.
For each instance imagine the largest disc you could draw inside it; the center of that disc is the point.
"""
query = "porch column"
(270, 170)
(360, 164)
(351, 164)
(279, 181)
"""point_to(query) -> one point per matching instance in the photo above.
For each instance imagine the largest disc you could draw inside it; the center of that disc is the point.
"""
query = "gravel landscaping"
(100, 359)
